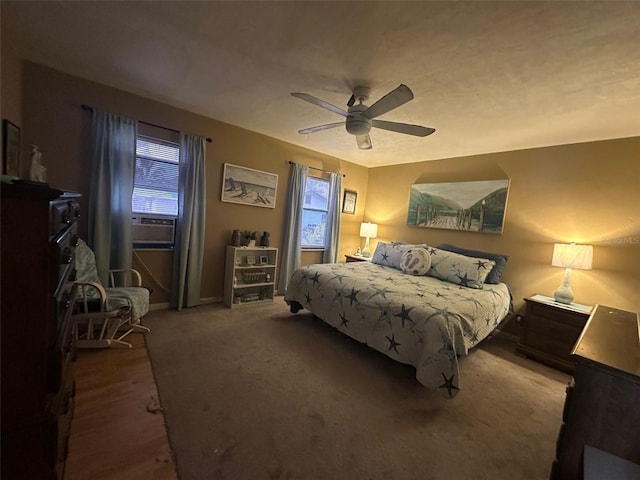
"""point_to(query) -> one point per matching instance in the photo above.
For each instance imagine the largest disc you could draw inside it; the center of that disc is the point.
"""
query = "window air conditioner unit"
(153, 229)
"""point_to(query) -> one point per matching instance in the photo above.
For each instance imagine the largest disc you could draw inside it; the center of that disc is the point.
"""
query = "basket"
(254, 277)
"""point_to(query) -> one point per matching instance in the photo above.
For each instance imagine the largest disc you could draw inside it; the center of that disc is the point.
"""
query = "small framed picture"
(251, 259)
(349, 202)
(11, 148)
(236, 260)
(264, 260)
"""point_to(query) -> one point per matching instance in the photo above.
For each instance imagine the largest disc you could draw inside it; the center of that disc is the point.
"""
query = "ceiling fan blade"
(320, 103)
(391, 100)
(319, 128)
(364, 142)
(416, 130)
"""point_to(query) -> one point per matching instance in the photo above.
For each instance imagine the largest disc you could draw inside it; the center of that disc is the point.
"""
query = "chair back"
(86, 268)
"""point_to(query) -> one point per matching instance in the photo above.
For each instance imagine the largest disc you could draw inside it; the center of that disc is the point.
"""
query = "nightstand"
(550, 330)
(356, 258)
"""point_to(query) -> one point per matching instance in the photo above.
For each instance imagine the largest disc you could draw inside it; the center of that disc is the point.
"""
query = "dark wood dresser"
(602, 407)
(39, 233)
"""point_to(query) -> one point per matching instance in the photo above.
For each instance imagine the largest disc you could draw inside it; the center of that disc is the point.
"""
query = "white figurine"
(37, 172)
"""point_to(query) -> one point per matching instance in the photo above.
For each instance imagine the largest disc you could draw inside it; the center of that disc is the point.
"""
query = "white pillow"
(389, 254)
(415, 261)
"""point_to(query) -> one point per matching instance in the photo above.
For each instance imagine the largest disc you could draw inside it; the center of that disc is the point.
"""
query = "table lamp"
(570, 256)
(368, 230)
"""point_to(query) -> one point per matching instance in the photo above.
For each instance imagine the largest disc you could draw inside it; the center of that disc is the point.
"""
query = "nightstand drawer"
(541, 311)
(546, 342)
(553, 328)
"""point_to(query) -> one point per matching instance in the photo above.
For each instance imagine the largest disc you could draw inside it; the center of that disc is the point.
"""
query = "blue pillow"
(496, 272)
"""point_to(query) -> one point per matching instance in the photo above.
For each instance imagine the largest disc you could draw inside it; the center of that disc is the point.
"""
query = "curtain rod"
(90, 109)
(322, 170)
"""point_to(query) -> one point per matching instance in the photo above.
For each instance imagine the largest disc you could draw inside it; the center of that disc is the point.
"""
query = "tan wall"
(54, 120)
(587, 193)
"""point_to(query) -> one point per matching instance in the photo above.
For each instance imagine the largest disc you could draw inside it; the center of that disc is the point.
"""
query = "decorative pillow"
(496, 272)
(459, 269)
(390, 254)
(415, 261)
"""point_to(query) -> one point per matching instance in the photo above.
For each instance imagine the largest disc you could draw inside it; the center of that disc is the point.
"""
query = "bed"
(426, 318)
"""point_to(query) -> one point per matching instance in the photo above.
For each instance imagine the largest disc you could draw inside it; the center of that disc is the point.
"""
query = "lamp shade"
(369, 230)
(572, 256)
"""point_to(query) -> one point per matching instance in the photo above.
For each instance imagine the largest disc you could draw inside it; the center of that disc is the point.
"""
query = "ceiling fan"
(360, 118)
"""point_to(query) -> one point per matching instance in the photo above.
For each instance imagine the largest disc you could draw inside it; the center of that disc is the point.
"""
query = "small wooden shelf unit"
(250, 275)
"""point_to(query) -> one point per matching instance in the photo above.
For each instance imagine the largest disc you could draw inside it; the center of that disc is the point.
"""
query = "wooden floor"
(114, 432)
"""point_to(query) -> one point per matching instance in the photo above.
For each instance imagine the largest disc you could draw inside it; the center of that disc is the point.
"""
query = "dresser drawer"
(63, 214)
(560, 316)
(63, 257)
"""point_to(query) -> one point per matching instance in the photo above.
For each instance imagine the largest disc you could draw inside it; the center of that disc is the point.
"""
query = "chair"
(101, 317)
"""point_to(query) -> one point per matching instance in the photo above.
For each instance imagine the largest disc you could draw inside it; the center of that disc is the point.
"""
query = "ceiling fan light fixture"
(364, 142)
(356, 123)
(358, 126)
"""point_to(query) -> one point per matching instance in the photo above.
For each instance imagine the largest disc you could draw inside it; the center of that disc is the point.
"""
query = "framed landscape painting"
(248, 186)
(469, 206)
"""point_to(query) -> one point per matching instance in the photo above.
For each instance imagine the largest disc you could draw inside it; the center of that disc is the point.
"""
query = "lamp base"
(365, 251)
(564, 294)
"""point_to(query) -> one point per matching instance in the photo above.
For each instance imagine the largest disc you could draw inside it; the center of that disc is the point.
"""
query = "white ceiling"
(489, 76)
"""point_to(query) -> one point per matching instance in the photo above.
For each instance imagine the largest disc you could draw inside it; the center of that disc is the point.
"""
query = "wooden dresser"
(602, 407)
(39, 233)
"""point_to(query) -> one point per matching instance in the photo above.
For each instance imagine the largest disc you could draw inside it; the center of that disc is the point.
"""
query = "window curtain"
(290, 258)
(332, 232)
(189, 242)
(113, 165)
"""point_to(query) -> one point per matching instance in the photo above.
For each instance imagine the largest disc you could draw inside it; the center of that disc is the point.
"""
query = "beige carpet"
(258, 393)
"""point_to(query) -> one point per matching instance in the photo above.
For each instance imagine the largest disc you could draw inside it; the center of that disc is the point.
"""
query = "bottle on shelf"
(235, 238)
(264, 239)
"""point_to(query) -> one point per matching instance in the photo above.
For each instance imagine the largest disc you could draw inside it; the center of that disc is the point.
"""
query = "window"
(314, 212)
(155, 188)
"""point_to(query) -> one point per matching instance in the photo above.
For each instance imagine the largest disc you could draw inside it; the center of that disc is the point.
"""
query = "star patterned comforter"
(417, 320)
